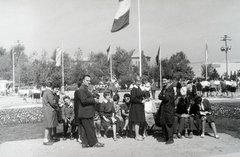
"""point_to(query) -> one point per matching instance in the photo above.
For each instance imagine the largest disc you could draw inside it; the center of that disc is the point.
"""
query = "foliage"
(211, 72)
(122, 62)
(35, 114)
(2, 51)
(177, 67)
(31, 70)
(6, 67)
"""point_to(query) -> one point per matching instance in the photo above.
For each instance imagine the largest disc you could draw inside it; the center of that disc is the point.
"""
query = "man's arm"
(85, 99)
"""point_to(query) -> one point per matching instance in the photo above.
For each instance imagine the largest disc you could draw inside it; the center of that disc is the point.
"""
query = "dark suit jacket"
(86, 103)
(167, 107)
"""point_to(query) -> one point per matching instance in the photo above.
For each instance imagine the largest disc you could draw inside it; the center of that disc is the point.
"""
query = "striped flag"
(157, 57)
(108, 50)
(121, 19)
(58, 56)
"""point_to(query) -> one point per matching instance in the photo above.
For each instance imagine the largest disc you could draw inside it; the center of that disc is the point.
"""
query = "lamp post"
(226, 48)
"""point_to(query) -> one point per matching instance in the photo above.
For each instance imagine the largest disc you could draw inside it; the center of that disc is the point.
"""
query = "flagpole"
(13, 69)
(110, 55)
(62, 66)
(160, 64)
(139, 34)
(206, 57)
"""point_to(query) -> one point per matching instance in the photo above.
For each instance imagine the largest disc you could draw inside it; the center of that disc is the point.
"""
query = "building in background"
(219, 66)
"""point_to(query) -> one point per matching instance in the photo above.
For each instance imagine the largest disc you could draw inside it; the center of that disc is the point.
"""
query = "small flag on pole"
(157, 57)
(58, 56)
(206, 51)
(108, 50)
(121, 19)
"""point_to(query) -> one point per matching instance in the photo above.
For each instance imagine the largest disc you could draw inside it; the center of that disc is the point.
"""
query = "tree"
(214, 75)
(2, 51)
(177, 67)
(145, 67)
(210, 69)
(98, 67)
(6, 67)
(122, 62)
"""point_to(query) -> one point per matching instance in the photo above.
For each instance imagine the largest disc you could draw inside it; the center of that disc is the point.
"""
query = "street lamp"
(226, 48)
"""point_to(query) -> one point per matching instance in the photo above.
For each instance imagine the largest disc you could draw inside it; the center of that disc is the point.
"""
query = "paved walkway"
(152, 146)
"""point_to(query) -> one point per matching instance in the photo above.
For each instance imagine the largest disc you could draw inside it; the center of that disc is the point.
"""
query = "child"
(107, 113)
(68, 117)
(150, 109)
(118, 116)
(97, 119)
(125, 112)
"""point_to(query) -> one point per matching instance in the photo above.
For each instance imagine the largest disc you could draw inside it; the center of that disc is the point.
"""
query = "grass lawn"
(227, 119)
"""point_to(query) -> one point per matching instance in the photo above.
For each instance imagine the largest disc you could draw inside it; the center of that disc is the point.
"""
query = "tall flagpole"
(160, 64)
(13, 69)
(139, 34)
(110, 55)
(206, 57)
(62, 66)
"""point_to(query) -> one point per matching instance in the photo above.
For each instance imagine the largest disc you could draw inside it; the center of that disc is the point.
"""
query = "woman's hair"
(116, 97)
(198, 100)
(126, 95)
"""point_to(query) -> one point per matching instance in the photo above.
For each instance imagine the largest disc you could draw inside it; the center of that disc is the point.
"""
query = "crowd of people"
(89, 119)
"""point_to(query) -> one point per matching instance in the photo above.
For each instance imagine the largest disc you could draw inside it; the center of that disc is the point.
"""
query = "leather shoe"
(98, 144)
(49, 143)
(169, 142)
(85, 146)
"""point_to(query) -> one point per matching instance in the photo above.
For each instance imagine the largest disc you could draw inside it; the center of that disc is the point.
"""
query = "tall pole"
(110, 55)
(62, 66)
(139, 34)
(226, 48)
(206, 58)
(13, 69)
(160, 65)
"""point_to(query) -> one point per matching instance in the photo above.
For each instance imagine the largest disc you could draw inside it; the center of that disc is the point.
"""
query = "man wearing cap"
(86, 113)
(167, 110)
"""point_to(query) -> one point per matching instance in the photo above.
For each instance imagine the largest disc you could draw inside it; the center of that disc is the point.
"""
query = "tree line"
(33, 70)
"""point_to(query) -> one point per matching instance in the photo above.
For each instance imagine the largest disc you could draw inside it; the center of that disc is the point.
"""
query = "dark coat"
(137, 113)
(86, 103)
(76, 107)
(167, 107)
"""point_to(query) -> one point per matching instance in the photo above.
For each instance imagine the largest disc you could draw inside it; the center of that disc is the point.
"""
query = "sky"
(182, 25)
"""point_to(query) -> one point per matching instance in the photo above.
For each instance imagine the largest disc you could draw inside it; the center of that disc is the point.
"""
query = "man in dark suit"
(86, 113)
(167, 110)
